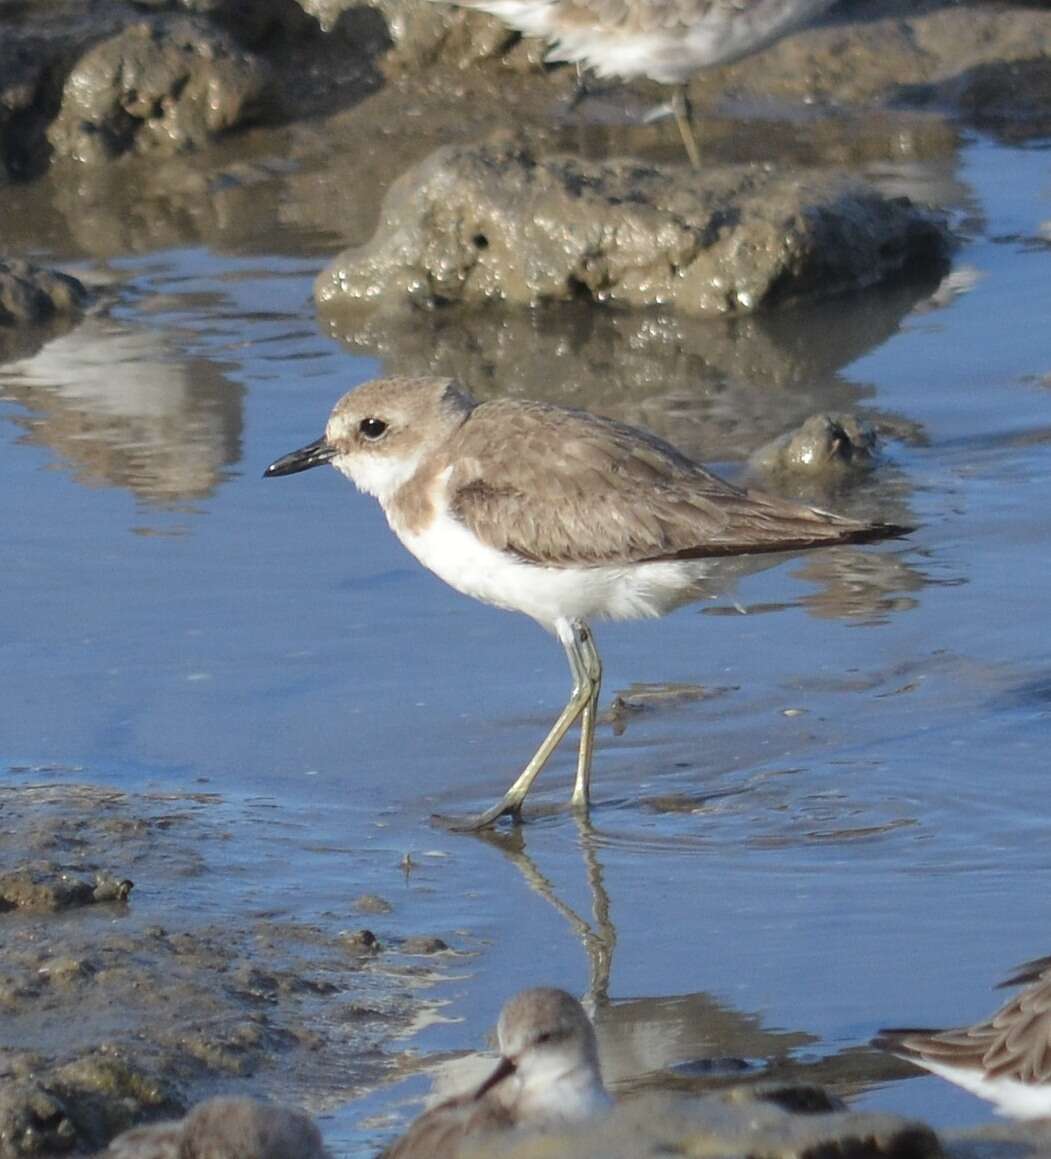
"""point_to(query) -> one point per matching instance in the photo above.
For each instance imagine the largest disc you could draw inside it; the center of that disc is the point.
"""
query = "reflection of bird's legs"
(602, 936)
(598, 941)
(593, 676)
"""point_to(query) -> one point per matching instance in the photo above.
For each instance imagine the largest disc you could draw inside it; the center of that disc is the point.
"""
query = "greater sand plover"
(556, 513)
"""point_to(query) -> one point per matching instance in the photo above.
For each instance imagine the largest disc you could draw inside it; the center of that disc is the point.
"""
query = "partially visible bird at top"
(665, 40)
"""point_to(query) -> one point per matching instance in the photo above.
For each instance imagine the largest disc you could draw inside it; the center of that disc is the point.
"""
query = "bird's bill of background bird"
(503, 1069)
(314, 454)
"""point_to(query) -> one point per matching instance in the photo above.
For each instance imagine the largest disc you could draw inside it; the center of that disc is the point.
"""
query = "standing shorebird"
(1005, 1059)
(556, 513)
(548, 1074)
(665, 40)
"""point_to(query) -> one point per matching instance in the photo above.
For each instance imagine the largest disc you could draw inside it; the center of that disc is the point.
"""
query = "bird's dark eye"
(546, 1037)
(372, 428)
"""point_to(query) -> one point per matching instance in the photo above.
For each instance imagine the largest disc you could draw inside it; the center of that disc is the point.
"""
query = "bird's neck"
(558, 1093)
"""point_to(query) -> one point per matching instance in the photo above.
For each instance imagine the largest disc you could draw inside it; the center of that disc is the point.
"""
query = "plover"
(548, 1074)
(665, 40)
(1005, 1059)
(553, 512)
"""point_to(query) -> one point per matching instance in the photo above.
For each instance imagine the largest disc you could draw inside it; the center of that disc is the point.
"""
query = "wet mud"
(121, 1005)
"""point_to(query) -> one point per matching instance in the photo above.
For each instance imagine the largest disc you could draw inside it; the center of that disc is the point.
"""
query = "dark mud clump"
(30, 295)
(157, 87)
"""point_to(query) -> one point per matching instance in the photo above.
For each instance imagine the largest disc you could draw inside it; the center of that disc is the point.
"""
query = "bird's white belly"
(720, 35)
(1017, 1099)
(548, 594)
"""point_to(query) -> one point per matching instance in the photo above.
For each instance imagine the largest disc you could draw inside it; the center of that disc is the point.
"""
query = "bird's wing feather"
(565, 488)
(1014, 1043)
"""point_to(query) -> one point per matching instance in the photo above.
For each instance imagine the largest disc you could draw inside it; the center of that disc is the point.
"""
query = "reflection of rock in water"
(859, 585)
(642, 1035)
(716, 388)
(121, 411)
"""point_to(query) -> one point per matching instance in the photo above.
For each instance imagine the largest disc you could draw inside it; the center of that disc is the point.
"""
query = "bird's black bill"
(314, 454)
(504, 1068)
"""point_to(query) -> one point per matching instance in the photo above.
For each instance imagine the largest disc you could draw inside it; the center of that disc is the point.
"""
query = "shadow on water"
(716, 387)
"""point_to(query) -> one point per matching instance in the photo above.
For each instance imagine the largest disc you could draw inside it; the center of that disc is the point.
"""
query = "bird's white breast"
(548, 594)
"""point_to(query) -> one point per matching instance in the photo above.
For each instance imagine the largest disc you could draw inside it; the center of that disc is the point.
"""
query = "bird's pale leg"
(593, 671)
(680, 107)
(571, 636)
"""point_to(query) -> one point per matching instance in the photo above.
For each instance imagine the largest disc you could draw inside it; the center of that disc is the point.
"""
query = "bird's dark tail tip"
(892, 1039)
(873, 532)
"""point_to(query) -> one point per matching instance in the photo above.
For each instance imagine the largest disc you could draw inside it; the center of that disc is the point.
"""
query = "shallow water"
(850, 834)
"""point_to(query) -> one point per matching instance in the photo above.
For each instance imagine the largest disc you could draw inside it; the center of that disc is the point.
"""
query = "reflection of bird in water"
(224, 1128)
(556, 513)
(548, 1074)
(665, 40)
(1005, 1059)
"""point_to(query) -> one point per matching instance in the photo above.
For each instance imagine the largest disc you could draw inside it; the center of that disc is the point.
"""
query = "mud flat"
(127, 995)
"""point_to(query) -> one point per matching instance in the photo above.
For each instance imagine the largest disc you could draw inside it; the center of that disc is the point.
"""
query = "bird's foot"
(473, 822)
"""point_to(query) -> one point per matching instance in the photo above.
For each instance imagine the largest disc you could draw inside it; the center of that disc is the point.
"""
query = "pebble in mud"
(371, 903)
(423, 945)
(225, 1128)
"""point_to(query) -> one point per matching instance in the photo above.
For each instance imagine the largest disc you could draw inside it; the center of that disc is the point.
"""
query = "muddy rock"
(161, 86)
(104, 1091)
(423, 945)
(371, 903)
(46, 887)
(225, 1128)
(476, 224)
(32, 1121)
(732, 1124)
(32, 295)
(825, 447)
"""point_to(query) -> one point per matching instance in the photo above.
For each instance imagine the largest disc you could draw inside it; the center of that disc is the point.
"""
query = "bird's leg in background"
(680, 107)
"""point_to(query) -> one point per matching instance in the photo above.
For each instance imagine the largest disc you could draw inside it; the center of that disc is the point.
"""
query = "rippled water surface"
(848, 829)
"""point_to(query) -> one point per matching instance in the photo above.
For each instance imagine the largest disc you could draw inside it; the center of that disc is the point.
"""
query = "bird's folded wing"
(574, 490)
